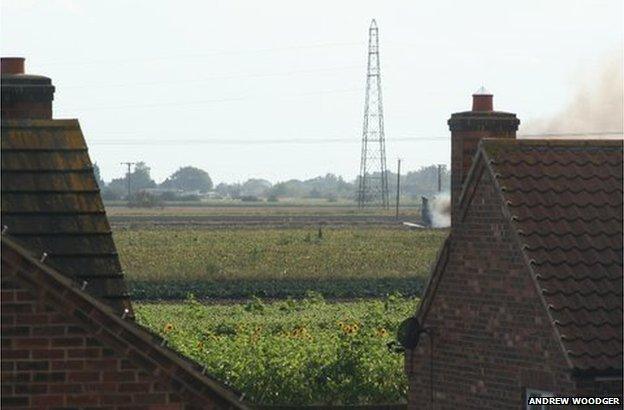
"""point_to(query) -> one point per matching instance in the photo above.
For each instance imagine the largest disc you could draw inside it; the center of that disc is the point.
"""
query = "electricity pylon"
(373, 179)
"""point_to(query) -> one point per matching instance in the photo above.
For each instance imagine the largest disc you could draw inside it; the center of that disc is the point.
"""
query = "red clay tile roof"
(51, 203)
(136, 343)
(565, 201)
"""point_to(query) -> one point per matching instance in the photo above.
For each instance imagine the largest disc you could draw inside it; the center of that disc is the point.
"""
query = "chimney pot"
(24, 96)
(12, 65)
(482, 100)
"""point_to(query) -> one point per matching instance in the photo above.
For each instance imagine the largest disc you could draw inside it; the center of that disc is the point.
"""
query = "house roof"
(136, 343)
(564, 199)
(51, 203)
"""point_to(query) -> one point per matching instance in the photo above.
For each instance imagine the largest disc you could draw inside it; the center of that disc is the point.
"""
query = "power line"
(215, 77)
(200, 102)
(251, 141)
(176, 58)
(312, 141)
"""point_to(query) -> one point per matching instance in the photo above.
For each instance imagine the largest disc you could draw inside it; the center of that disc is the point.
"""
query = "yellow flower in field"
(349, 329)
(382, 332)
(168, 328)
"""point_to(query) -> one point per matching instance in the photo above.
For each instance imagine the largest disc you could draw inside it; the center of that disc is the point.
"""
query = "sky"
(275, 89)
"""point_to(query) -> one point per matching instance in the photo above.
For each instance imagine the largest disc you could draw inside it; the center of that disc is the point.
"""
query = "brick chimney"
(467, 129)
(24, 96)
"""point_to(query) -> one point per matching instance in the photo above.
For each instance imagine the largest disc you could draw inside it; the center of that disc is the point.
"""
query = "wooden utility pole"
(129, 164)
(439, 177)
(398, 186)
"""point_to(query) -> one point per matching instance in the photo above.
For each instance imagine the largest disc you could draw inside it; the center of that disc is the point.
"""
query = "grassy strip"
(294, 352)
(343, 288)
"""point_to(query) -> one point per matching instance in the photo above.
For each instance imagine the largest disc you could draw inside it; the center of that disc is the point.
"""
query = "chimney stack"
(24, 96)
(467, 129)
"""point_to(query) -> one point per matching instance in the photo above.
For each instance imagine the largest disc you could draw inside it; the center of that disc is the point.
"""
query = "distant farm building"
(525, 299)
(68, 335)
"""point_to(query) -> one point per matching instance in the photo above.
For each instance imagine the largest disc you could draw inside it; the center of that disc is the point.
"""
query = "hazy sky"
(246, 76)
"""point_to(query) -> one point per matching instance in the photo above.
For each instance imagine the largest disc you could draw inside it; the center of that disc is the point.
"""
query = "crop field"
(230, 207)
(267, 329)
(292, 352)
(256, 216)
(276, 263)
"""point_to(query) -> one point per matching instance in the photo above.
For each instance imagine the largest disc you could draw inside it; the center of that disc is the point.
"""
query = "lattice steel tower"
(373, 179)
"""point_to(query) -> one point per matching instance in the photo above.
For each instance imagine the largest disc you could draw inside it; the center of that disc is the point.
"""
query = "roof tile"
(565, 200)
(51, 203)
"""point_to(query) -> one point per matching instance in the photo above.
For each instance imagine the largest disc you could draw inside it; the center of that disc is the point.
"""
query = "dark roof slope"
(136, 343)
(565, 202)
(51, 203)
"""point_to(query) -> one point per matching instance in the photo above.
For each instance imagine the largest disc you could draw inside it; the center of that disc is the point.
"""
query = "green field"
(234, 263)
(292, 352)
(298, 349)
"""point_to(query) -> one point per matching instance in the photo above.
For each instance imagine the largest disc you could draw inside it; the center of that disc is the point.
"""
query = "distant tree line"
(189, 183)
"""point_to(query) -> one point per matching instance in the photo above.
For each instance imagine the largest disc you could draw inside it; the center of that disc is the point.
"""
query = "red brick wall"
(50, 361)
(492, 337)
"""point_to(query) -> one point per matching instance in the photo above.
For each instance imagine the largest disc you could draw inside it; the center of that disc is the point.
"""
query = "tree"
(229, 190)
(256, 187)
(189, 179)
(139, 179)
(98, 178)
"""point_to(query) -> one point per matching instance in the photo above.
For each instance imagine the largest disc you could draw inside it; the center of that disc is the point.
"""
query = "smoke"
(440, 208)
(597, 105)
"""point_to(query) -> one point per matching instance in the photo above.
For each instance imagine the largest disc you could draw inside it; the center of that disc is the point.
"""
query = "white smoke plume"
(597, 105)
(440, 209)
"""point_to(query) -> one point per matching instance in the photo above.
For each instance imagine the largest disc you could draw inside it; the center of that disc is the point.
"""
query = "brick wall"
(50, 361)
(492, 337)
(467, 130)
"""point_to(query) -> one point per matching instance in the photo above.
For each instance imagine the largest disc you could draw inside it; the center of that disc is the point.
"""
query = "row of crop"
(342, 288)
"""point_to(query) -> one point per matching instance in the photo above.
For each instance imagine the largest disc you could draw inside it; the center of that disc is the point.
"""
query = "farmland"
(293, 351)
(289, 313)
(261, 215)
(233, 263)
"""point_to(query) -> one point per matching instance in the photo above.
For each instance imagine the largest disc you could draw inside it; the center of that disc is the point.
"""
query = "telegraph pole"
(128, 164)
(398, 186)
(439, 178)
